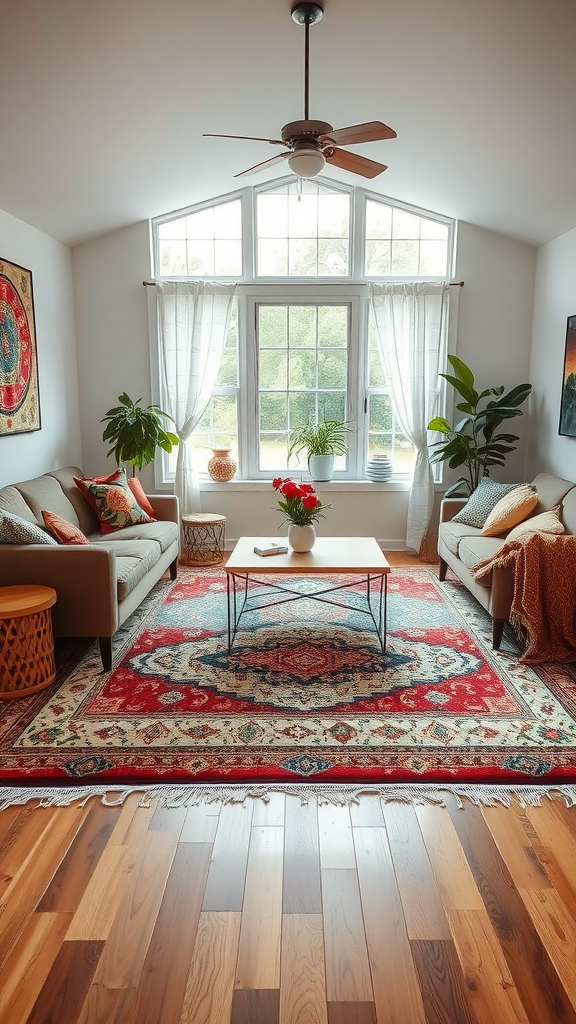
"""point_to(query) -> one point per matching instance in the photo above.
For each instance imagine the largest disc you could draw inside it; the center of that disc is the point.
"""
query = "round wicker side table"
(203, 539)
(26, 640)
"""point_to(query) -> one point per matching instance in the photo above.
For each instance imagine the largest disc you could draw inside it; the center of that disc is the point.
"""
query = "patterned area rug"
(305, 695)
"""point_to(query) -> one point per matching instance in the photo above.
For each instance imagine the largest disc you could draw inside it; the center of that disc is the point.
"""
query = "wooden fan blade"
(372, 131)
(265, 163)
(251, 138)
(356, 164)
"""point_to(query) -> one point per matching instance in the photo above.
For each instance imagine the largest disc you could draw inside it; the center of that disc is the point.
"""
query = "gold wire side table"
(204, 534)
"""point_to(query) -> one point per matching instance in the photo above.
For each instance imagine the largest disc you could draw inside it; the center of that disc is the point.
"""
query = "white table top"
(329, 554)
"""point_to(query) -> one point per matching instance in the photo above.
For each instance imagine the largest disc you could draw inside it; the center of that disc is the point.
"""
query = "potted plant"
(474, 442)
(301, 508)
(322, 441)
(136, 433)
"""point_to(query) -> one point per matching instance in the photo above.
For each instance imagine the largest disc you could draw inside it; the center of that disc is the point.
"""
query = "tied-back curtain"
(411, 323)
(192, 324)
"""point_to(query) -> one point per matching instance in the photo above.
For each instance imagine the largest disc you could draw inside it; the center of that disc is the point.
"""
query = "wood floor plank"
(271, 811)
(102, 896)
(441, 983)
(163, 980)
(210, 984)
(335, 832)
(21, 838)
(562, 879)
(351, 1013)
(260, 932)
(29, 964)
(515, 849)
(303, 971)
(302, 891)
(348, 978)
(367, 812)
(7, 818)
(548, 822)
(255, 1007)
(66, 888)
(37, 868)
(133, 821)
(455, 881)
(125, 949)
(537, 983)
(395, 984)
(227, 874)
(168, 819)
(201, 823)
(557, 929)
(423, 910)
(62, 995)
(490, 986)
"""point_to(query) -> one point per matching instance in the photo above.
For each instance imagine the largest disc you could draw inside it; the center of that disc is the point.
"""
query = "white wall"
(58, 442)
(554, 301)
(113, 356)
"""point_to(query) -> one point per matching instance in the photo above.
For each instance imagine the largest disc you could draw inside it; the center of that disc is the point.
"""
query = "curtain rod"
(453, 284)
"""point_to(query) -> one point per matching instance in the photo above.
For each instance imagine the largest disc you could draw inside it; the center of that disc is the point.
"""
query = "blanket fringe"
(192, 795)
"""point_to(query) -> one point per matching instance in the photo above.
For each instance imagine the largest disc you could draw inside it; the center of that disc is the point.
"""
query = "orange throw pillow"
(138, 492)
(65, 532)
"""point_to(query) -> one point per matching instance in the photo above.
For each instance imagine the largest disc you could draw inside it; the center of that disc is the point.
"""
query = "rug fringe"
(192, 795)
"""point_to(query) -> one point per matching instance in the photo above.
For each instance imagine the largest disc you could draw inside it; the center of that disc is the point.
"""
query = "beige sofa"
(97, 586)
(460, 547)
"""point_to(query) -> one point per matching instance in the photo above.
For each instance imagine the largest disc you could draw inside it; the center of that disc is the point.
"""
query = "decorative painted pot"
(301, 538)
(321, 467)
(222, 466)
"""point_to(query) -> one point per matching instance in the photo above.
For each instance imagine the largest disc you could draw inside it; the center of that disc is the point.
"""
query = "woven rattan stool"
(26, 640)
(203, 539)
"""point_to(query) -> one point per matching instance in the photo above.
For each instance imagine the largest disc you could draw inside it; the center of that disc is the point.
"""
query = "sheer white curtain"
(411, 322)
(192, 323)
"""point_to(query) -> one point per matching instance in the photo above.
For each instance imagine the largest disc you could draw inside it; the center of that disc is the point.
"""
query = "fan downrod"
(307, 14)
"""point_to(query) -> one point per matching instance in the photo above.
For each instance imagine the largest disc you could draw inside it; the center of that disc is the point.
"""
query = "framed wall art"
(19, 395)
(568, 401)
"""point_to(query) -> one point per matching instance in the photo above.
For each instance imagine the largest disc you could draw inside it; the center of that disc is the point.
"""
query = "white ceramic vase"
(301, 538)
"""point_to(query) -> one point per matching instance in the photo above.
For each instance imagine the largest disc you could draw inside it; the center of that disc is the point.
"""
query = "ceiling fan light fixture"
(306, 162)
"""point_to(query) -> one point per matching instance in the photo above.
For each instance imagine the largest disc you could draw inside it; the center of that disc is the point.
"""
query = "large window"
(301, 344)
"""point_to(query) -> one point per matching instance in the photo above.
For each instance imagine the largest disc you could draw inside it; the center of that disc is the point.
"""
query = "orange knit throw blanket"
(544, 592)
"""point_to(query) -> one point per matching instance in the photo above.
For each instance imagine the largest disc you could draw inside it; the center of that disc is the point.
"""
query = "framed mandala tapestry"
(19, 397)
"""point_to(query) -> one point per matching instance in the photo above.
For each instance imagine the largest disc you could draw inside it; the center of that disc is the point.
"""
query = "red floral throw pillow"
(65, 532)
(114, 503)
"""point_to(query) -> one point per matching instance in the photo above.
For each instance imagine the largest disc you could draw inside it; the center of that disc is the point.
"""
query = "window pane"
(302, 408)
(173, 259)
(332, 367)
(200, 258)
(273, 451)
(332, 326)
(302, 372)
(228, 375)
(333, 257)
(302, 216)
(433, 229)
(402, 244)
(332, 406)
(378, 259)
(273, 370)
(273, 326)
(378, 220)
(433, 258)
(228, 258)
(228, 220)
(405, 225)
(405, 258)
(303, 257)
(273, 410)
(302, 321)
(173, 229)
(380, 413)
(201, 224)
(272, 217)
(333, 216)
(273, 257)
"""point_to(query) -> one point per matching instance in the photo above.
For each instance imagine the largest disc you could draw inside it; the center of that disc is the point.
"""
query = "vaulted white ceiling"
(104, 104)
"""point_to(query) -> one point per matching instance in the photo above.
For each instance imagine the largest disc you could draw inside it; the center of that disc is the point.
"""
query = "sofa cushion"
(474, 549)
(452, 533)
(551, 490)
(64, 532)
(87, 519)
(163, 533)
(546, 522)
(511, 510)
(482, 501)
(569, 511)
(133, 560)
(46, 492)
(12, 501)
(114, 503)
(14, 530)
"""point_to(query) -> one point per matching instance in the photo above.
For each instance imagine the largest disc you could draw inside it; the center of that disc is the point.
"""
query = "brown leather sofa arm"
(449, 507)
(84, 578)
(165, 506)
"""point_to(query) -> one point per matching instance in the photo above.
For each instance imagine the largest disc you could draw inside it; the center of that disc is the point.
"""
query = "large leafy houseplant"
(135, 432)
(474, 442)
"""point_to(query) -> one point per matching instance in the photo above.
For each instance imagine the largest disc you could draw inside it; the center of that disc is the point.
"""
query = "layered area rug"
(306, 695)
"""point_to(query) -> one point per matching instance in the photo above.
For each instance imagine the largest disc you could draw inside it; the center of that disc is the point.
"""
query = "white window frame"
(352, 289)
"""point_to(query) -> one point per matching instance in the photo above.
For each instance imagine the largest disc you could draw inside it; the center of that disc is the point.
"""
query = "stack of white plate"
(379, 468)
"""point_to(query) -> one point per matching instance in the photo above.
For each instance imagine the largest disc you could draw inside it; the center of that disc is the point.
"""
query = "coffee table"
(359, 558)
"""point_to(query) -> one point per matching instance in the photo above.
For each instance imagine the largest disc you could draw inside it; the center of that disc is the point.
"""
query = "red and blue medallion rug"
(305, 695)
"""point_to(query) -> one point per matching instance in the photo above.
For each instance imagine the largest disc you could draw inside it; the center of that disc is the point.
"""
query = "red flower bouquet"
(298, 503)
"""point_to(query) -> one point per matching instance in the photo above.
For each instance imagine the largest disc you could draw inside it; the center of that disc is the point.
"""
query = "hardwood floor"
(281, 912)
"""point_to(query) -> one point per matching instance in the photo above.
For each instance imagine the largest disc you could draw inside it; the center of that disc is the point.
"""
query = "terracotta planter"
(222, 466)
(301, 538)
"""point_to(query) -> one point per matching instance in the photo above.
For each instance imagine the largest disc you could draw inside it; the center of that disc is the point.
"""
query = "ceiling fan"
(312, 144)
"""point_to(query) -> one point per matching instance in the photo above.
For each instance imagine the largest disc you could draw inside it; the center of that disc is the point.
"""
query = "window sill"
(397, 484)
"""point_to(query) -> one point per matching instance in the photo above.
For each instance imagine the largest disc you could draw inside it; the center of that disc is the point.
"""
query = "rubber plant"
(135, 432)
(474, 442)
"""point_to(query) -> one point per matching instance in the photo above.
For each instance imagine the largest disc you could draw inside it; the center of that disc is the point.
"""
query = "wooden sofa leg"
(174, 569)
(442, 570)
(497, 630)
(106, 652)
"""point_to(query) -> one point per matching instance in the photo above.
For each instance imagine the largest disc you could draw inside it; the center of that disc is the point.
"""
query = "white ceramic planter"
(301, 538)
(321, 467)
